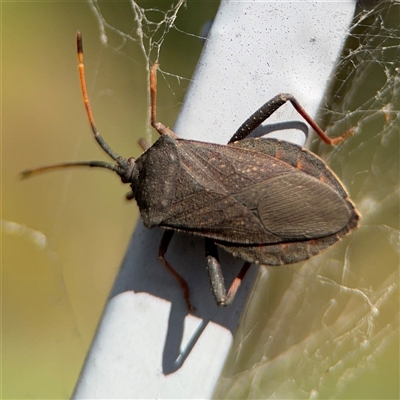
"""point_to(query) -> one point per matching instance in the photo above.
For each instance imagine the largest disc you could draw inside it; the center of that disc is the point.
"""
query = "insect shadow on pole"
(265, 201)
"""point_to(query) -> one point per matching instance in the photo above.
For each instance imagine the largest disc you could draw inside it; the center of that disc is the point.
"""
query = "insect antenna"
(102, 164)
(123, 166)
(82, 78)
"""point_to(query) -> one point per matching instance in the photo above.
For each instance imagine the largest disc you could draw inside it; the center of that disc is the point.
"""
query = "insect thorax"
(154, 182)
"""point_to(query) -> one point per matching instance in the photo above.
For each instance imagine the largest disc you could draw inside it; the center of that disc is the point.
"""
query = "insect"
(265, 201)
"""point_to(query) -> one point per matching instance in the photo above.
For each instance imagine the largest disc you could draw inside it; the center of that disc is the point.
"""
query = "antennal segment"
(120, 160)
(102, 164)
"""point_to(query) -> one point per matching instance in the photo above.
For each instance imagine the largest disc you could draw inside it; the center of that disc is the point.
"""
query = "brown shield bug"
(265, 201)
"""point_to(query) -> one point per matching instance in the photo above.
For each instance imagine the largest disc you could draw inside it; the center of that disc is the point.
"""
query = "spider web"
(148, 33)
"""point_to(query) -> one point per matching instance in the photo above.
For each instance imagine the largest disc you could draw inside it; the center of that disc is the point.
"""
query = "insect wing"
(246, 196)
(296, 206)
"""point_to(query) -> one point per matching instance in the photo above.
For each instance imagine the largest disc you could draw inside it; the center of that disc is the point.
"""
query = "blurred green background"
(62, 231)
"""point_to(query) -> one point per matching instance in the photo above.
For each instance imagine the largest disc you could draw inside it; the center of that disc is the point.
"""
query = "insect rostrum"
(265, 201)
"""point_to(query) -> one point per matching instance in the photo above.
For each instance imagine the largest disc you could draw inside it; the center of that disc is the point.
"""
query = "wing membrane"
(251, 198)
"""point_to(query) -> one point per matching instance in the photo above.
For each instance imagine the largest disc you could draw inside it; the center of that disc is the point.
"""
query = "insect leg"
(162, 249)
(215, 273)
(236, 283)
(217, 278)
(158, 126)
(270, 107)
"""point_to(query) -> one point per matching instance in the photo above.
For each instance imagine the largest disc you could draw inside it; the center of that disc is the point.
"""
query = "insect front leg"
(266, 110)
(217, 278)
(162, 249)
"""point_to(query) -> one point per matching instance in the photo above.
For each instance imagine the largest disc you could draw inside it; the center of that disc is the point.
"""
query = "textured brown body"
(263, 200)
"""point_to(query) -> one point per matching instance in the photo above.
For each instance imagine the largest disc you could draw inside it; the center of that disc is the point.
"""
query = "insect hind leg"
(217, 279)
(267, 109)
